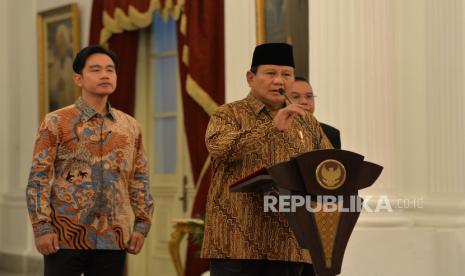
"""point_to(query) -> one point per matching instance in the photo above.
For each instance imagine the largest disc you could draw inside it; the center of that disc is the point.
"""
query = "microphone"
(302, 120)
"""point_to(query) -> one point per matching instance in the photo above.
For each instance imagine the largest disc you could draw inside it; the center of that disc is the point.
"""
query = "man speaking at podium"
(242, 137)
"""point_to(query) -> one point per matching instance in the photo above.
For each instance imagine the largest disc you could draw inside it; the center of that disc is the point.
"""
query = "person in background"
(301, 92)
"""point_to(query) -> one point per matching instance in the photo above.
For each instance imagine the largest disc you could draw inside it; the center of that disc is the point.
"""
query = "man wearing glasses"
(301, 92)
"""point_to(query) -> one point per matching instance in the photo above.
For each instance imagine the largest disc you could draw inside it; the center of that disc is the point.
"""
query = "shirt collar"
(87, 112)
(256, 104)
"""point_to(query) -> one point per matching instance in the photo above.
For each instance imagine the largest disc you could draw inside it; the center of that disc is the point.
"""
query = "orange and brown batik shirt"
(241, 139)
(87, 171)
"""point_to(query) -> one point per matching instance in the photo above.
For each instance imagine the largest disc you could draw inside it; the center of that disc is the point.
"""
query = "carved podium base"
(338, 174)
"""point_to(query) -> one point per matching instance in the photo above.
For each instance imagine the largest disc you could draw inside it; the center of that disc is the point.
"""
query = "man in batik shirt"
(242, 137)
(89, 168)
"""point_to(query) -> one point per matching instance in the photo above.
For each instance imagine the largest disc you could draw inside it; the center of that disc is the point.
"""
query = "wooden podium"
(335, 174)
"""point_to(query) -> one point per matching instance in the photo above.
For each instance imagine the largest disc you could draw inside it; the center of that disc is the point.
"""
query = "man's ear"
(77, 79)
(249, 76)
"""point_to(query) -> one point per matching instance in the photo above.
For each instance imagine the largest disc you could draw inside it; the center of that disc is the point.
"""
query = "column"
(352, 72)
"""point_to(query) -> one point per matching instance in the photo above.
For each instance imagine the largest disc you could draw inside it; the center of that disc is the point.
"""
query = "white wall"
(239, 21)
(4, 103)
(19, 113)
(389, 74)
(20, 120)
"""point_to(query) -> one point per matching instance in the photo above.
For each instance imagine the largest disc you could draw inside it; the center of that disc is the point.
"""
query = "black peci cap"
(274, 54)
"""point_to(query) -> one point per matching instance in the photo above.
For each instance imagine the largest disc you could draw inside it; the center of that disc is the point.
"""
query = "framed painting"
(285, 21)
(58, 41)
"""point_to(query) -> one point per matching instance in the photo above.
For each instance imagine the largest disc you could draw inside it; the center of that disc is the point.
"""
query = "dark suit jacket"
(332, 134)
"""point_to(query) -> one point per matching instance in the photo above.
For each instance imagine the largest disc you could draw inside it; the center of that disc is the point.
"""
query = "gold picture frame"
(260, 14)
(285, 21)
(58, 33)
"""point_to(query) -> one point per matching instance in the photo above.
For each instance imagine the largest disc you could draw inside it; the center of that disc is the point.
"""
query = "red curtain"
(205, 40)
(124, 44)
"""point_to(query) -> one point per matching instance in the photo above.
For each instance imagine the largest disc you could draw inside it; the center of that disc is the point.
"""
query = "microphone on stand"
(302, 120)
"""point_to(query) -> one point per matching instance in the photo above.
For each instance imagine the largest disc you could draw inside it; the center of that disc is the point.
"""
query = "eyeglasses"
(308, 97)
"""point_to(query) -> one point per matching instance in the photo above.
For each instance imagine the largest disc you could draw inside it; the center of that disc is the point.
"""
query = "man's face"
(266, 82)
(302, 93)
(98, 76)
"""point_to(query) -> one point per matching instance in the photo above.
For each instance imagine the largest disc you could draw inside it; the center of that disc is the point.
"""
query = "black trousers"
(235, 267)
(67, 262)
(308, 270)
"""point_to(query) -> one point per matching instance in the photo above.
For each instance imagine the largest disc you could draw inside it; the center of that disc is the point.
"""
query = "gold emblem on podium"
(330, 174)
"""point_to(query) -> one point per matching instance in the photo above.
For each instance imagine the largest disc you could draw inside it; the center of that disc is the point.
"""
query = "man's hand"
(47, 244)
(285, 116)
(135, 243)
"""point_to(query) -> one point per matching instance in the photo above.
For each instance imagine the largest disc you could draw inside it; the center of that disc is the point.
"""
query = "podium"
(328, 181)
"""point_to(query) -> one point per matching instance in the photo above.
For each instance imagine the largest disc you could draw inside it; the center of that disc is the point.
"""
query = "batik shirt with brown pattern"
(87, 171)
(241, 139)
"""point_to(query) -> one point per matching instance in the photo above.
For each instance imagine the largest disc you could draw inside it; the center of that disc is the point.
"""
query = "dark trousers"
(90, 262)
(234, 267)
(308, 270)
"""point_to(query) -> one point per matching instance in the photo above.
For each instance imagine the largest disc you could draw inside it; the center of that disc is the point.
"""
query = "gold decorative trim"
(182, 227)
(110, 24)
(183, 26)
(41, 64)
(200, 96)
(125, 22)
(105, 35)
(136, 19)
(180, 230)
(170, 9)
(178, 9)
(185, 55)
(327, 225)
(165, 12)
(77, 41)
(203, 171)
(140, 19)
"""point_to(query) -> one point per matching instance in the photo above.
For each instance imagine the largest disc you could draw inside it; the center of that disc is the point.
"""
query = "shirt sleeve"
(225, 138)
(39, 184)
(139, 190)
